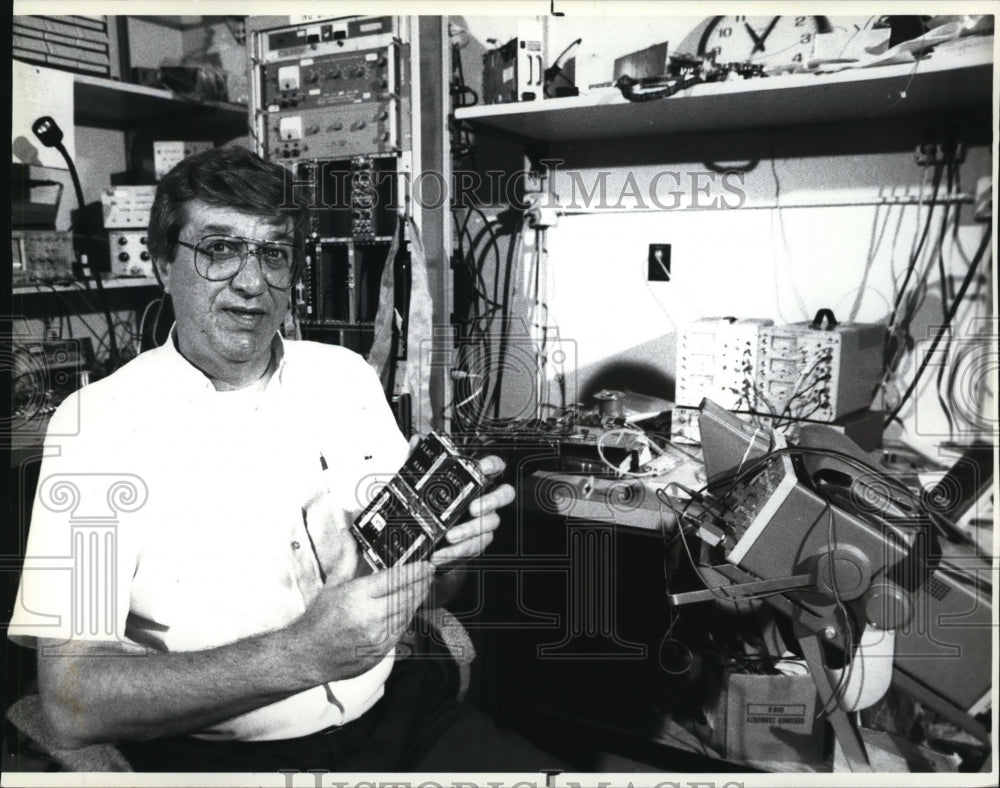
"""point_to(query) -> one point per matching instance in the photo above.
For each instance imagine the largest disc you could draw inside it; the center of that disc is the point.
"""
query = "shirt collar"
(187, 375)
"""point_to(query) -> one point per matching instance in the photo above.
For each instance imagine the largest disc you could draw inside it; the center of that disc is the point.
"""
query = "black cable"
(494, 243)
(939, 384)
(848, 621)
(786, 412)
(973, 265)
(476, 322)
(476, 286)
(77, 187)
(724, 169)
(943, 525)
(920, 244)
(555, 70)
(512, 252)
(900, 340)
(567, 49)
(944, 285)
(458, 87)
(115, 357)
(838, 690)
(628, 88)
(491, 306)
(540, 352)
(66, 305)
(492, 246)
(942, 273)
(716, 590)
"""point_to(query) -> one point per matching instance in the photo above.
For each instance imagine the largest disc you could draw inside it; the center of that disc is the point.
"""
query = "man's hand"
(350, 627)
(470, 538)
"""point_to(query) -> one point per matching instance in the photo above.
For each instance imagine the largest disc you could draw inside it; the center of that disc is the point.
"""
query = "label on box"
(771, 714)
(769, 718)
(127, 206)
(166, 154)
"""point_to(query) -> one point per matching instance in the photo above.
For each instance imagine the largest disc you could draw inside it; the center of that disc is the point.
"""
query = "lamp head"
(48, 131)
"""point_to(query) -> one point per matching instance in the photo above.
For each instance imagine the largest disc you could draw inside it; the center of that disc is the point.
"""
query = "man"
(235, 628)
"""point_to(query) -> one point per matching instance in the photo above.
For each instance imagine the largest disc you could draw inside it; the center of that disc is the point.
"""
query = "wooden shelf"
(107, 103)
(947, 79)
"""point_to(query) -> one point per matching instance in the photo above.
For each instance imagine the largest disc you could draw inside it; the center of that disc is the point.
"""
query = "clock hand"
(757, 43)
(766, 33)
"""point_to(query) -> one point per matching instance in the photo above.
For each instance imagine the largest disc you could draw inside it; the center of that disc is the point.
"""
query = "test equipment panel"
(717, 357)
(126, 218)
(780, 376)
(820, 372)
(859, 542)
(331, 100)
(516, 71)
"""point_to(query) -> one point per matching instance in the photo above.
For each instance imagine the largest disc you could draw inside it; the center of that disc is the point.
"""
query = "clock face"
(766, 40)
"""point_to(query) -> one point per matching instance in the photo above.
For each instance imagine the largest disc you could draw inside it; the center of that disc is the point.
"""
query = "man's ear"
(162, 271)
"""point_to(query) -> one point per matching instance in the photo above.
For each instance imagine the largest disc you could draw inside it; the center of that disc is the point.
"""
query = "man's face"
(225, 328)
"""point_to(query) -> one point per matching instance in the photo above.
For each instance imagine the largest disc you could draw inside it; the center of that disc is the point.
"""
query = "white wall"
(782, 264)
(755, 260)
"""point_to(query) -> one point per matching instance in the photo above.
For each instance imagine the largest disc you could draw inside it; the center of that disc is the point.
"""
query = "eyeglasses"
(221, 257)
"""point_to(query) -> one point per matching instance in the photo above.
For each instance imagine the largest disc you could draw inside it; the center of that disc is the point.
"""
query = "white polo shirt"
(180, 517)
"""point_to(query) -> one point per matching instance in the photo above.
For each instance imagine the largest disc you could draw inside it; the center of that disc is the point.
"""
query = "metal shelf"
(45, 289)
(947, 79)
(36, 301)
(107, 103)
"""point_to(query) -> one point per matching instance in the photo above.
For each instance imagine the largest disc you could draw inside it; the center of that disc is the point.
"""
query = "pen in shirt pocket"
(324, 491)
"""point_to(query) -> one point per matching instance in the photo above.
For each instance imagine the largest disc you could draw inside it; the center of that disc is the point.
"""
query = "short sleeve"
(79, 557)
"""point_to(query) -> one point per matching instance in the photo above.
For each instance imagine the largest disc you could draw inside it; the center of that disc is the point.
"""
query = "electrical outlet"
(658, 269)
(931, 153)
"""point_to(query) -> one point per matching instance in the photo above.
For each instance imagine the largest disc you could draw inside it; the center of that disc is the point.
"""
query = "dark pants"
(417, 726)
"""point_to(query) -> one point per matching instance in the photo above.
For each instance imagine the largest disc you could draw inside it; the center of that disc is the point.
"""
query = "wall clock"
(767, 40)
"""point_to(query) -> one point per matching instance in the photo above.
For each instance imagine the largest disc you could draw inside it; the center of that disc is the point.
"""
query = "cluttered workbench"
(733, 605)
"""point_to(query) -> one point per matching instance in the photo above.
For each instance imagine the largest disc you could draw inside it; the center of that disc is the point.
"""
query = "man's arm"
(91, 697)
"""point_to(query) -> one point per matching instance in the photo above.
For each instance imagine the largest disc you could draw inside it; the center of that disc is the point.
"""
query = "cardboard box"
(769, 718)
